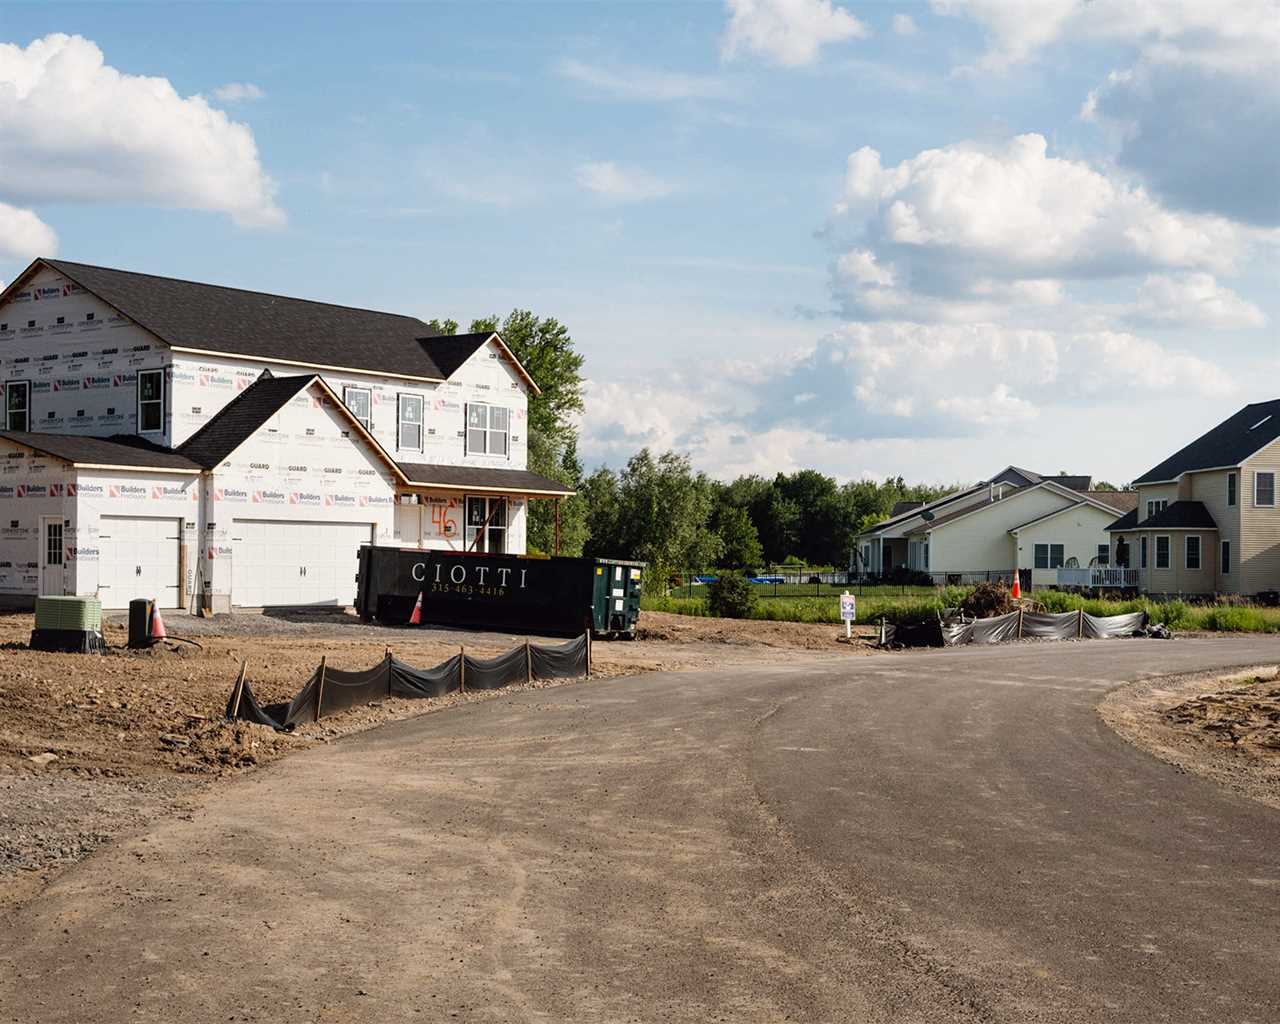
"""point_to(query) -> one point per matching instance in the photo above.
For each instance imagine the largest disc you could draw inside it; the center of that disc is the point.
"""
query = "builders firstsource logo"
(304, 498)
(230, 494)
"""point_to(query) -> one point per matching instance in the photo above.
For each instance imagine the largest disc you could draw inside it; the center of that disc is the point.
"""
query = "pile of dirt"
(988, 600)
(1245, 719)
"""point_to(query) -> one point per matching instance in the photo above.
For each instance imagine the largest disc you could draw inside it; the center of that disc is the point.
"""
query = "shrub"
(731, 596)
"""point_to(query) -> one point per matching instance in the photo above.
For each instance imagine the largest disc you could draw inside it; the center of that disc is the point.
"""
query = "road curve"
(937, 837)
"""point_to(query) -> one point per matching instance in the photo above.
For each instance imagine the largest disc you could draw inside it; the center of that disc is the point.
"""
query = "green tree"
(656, 510)
(738, 537)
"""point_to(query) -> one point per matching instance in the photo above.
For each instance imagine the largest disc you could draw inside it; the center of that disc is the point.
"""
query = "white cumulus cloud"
(238, 92)
(951, 233)
(647, 84)
(74, 129)
(788, 32)
(904, 25)
(24, 236)
(622, 184)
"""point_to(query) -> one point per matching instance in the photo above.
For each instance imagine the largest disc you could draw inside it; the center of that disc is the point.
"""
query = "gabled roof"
(1121, 501)
(1180, 515)
(894, 520)
(1228, 444)
(1075, 483)
(900, 507)
(123, 451)
(1049, 483)
(483, 478)
(241, 418)
(212, 319)
(1058, 511)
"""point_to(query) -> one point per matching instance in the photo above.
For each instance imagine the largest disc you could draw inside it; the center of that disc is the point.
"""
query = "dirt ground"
(92, 746)
(1226, 728)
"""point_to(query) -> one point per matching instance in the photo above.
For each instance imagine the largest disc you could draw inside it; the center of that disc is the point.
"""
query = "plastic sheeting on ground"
(330, 690)
(954, 629)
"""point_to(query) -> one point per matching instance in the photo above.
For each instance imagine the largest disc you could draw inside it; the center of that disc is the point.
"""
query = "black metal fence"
(788, 581)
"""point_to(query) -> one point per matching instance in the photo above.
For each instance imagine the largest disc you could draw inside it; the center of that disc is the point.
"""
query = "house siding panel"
(1080, 531)
(1258, 553)
(981, 541)
(1210, 489)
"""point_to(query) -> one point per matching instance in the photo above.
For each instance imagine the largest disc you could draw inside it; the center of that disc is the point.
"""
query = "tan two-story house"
(1207, 520)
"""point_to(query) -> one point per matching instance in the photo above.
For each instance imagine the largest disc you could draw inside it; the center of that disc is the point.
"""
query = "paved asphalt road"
(942, 836)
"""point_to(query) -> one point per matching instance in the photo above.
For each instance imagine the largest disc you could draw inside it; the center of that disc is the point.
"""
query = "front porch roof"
(483, 479)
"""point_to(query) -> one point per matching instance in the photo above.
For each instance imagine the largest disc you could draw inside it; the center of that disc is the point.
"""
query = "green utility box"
(68, 624)
(615, 597)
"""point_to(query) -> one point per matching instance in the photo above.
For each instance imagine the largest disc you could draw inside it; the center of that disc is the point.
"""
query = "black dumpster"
(552, 596)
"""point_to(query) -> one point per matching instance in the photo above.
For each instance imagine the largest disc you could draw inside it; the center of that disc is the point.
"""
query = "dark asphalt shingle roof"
(1228, 444)
(476, 476)
(1126, 522)
(1074, 483)
(1180, 515)
(240, 418)
(1120, 500)
(233, 321)
(119, 450)
(450, 351)
(900, 507)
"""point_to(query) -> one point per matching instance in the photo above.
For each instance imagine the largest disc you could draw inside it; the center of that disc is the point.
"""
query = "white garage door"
(138, 557)
(294, 563)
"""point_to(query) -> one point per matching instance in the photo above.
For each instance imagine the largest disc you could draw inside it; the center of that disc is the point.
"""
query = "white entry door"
(52, 556)
(138, 556)
(289, 562)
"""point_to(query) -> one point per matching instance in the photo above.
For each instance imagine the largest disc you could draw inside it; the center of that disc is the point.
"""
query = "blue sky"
(927, 239)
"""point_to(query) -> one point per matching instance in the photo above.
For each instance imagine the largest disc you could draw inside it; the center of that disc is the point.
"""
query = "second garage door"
(279, 562)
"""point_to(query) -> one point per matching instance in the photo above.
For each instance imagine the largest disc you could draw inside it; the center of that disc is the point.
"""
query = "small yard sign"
(848, 611)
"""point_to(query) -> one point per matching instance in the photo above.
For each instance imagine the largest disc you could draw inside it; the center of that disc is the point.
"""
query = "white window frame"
(404, 399)
(1225, 561)
(350, 389)
(1186, 552)
(142, 428)
(492, 532)
(1256, 478)
(1233, 490)
(1168, 551)
(25, 385)
(486, 433)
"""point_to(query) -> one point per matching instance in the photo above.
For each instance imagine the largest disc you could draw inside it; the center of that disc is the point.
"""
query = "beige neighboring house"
(1017, 518)
(1207, 520)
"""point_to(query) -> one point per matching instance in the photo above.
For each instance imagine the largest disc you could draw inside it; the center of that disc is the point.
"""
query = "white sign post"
(848, 612)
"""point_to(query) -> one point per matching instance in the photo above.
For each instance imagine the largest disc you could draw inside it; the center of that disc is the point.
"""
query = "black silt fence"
(330, 691)
(952, 631)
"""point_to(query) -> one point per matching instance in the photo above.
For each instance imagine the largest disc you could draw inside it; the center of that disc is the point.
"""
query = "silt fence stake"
(462, 669)
(320, 688)
(528, 662)
(235, 708)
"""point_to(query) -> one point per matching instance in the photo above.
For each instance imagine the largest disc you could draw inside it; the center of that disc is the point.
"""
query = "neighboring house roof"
(1121, 501)
(1051, 483)
(241, 418)
(1128, 521)
(968, 510)
(900, 507)
(1075, 483)
(1180, 515)
(482, 478)
(1228, 444)
(895, 520)
(123, 451)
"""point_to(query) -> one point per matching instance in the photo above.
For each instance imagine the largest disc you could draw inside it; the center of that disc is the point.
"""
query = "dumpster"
(553, 596)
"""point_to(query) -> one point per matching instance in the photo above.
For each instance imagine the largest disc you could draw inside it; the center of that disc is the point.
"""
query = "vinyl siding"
(1210, 489)
(1177, 579)
(1258, 552)
(981, 541)
(1079, 531)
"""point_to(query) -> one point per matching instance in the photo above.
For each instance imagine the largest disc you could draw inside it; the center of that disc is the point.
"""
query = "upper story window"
(1156, 506)
(360, 402)
(409, 429)
(1231, 488)
(1264, 489)
(150, 401)
(488, 429)
(17, 405)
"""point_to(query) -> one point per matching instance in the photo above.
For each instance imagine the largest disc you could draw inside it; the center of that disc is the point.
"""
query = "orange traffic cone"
(416, 618)
(1017, 585)
(157, 626)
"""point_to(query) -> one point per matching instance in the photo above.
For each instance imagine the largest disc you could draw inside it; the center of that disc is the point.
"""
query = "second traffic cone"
(1017, 586)
(157, 626)
(416, 618)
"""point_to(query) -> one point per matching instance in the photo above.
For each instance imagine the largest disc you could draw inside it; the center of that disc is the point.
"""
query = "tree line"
(657, 508)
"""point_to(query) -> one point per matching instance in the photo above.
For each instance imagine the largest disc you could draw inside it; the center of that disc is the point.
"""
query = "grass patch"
(897, 607)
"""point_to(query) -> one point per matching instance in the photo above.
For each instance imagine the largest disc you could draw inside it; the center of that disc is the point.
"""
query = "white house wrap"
(211, 447)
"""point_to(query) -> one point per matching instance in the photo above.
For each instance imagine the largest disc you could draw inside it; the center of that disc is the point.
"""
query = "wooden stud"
(588, 652)
(320, 688)
(1080, 625)
(235, 707)
(1019, 623)
(528, 662)
(462, 669)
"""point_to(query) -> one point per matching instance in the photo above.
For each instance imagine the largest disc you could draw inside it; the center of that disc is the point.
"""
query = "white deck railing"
(1098, 576)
